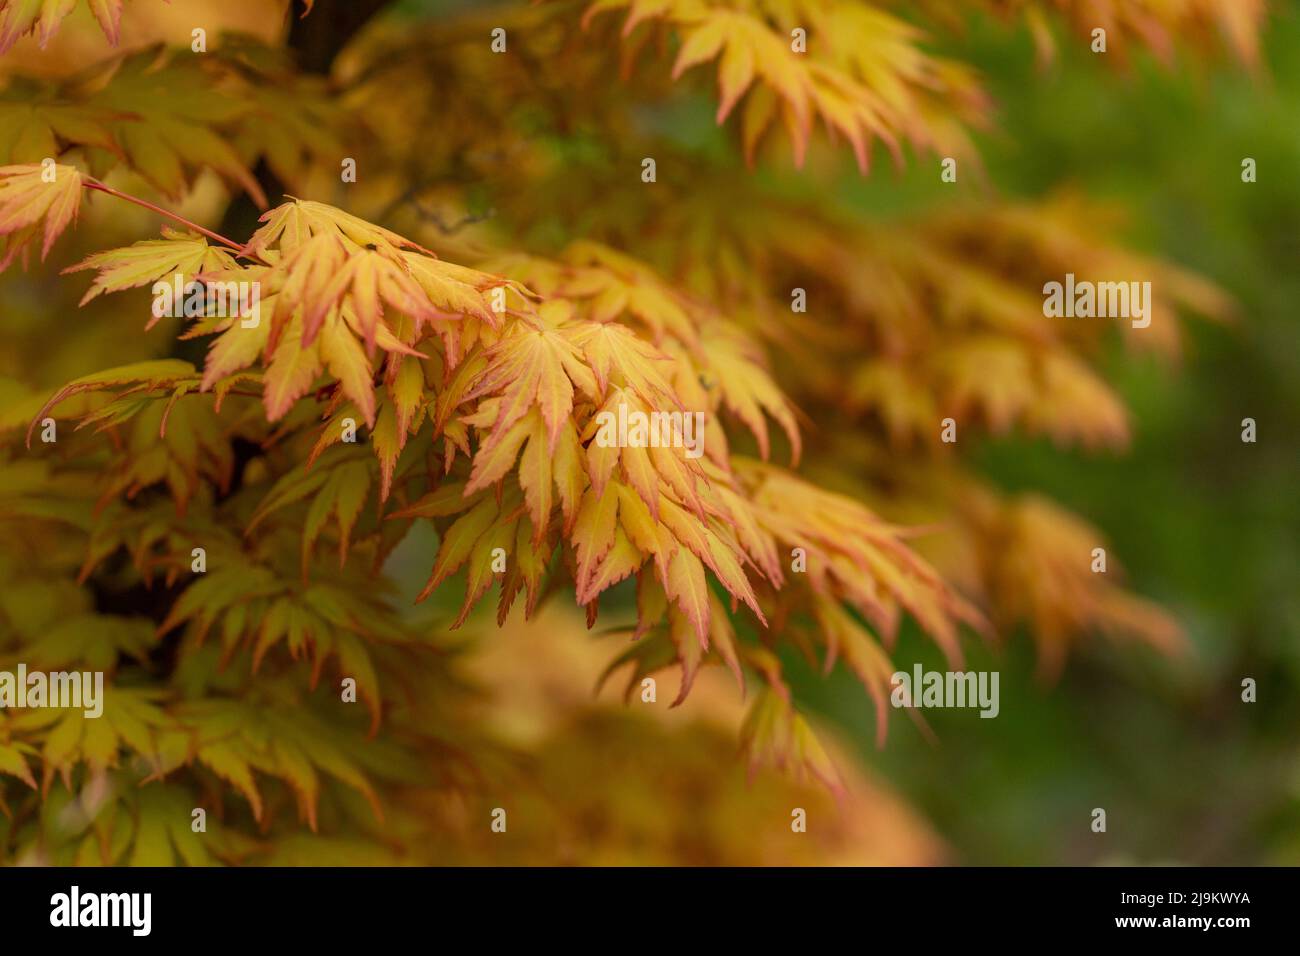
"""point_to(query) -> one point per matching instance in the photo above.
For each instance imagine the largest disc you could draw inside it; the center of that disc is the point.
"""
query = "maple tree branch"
(90, 183)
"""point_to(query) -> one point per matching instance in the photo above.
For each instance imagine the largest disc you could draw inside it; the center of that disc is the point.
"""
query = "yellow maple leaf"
(30, 194)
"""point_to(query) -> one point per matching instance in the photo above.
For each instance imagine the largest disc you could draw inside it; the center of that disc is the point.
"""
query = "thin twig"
(90, 183)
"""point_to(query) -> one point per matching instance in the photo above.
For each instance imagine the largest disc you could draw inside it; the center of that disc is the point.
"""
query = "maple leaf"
(30, 194)
(1035, 575)
(775, 734)
(234, 349)
(856, 557)
(39, 122)
(183, 254)
(868, 80)
(13, 762)
(328, 270)
(534, 368)
(132, 719)
(291, 372)
(43, 17)
(161, 375)
(235, 740)
(691, 342)
(1202, 23)
(338, 484)
(166, 113)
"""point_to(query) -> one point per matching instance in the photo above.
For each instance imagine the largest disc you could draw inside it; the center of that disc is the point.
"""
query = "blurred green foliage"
(1204, 523)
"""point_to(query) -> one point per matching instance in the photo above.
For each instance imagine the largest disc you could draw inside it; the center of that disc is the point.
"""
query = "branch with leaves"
(220, 531)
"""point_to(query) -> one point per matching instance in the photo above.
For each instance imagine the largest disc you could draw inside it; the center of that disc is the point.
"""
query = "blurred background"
(1207, 525)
